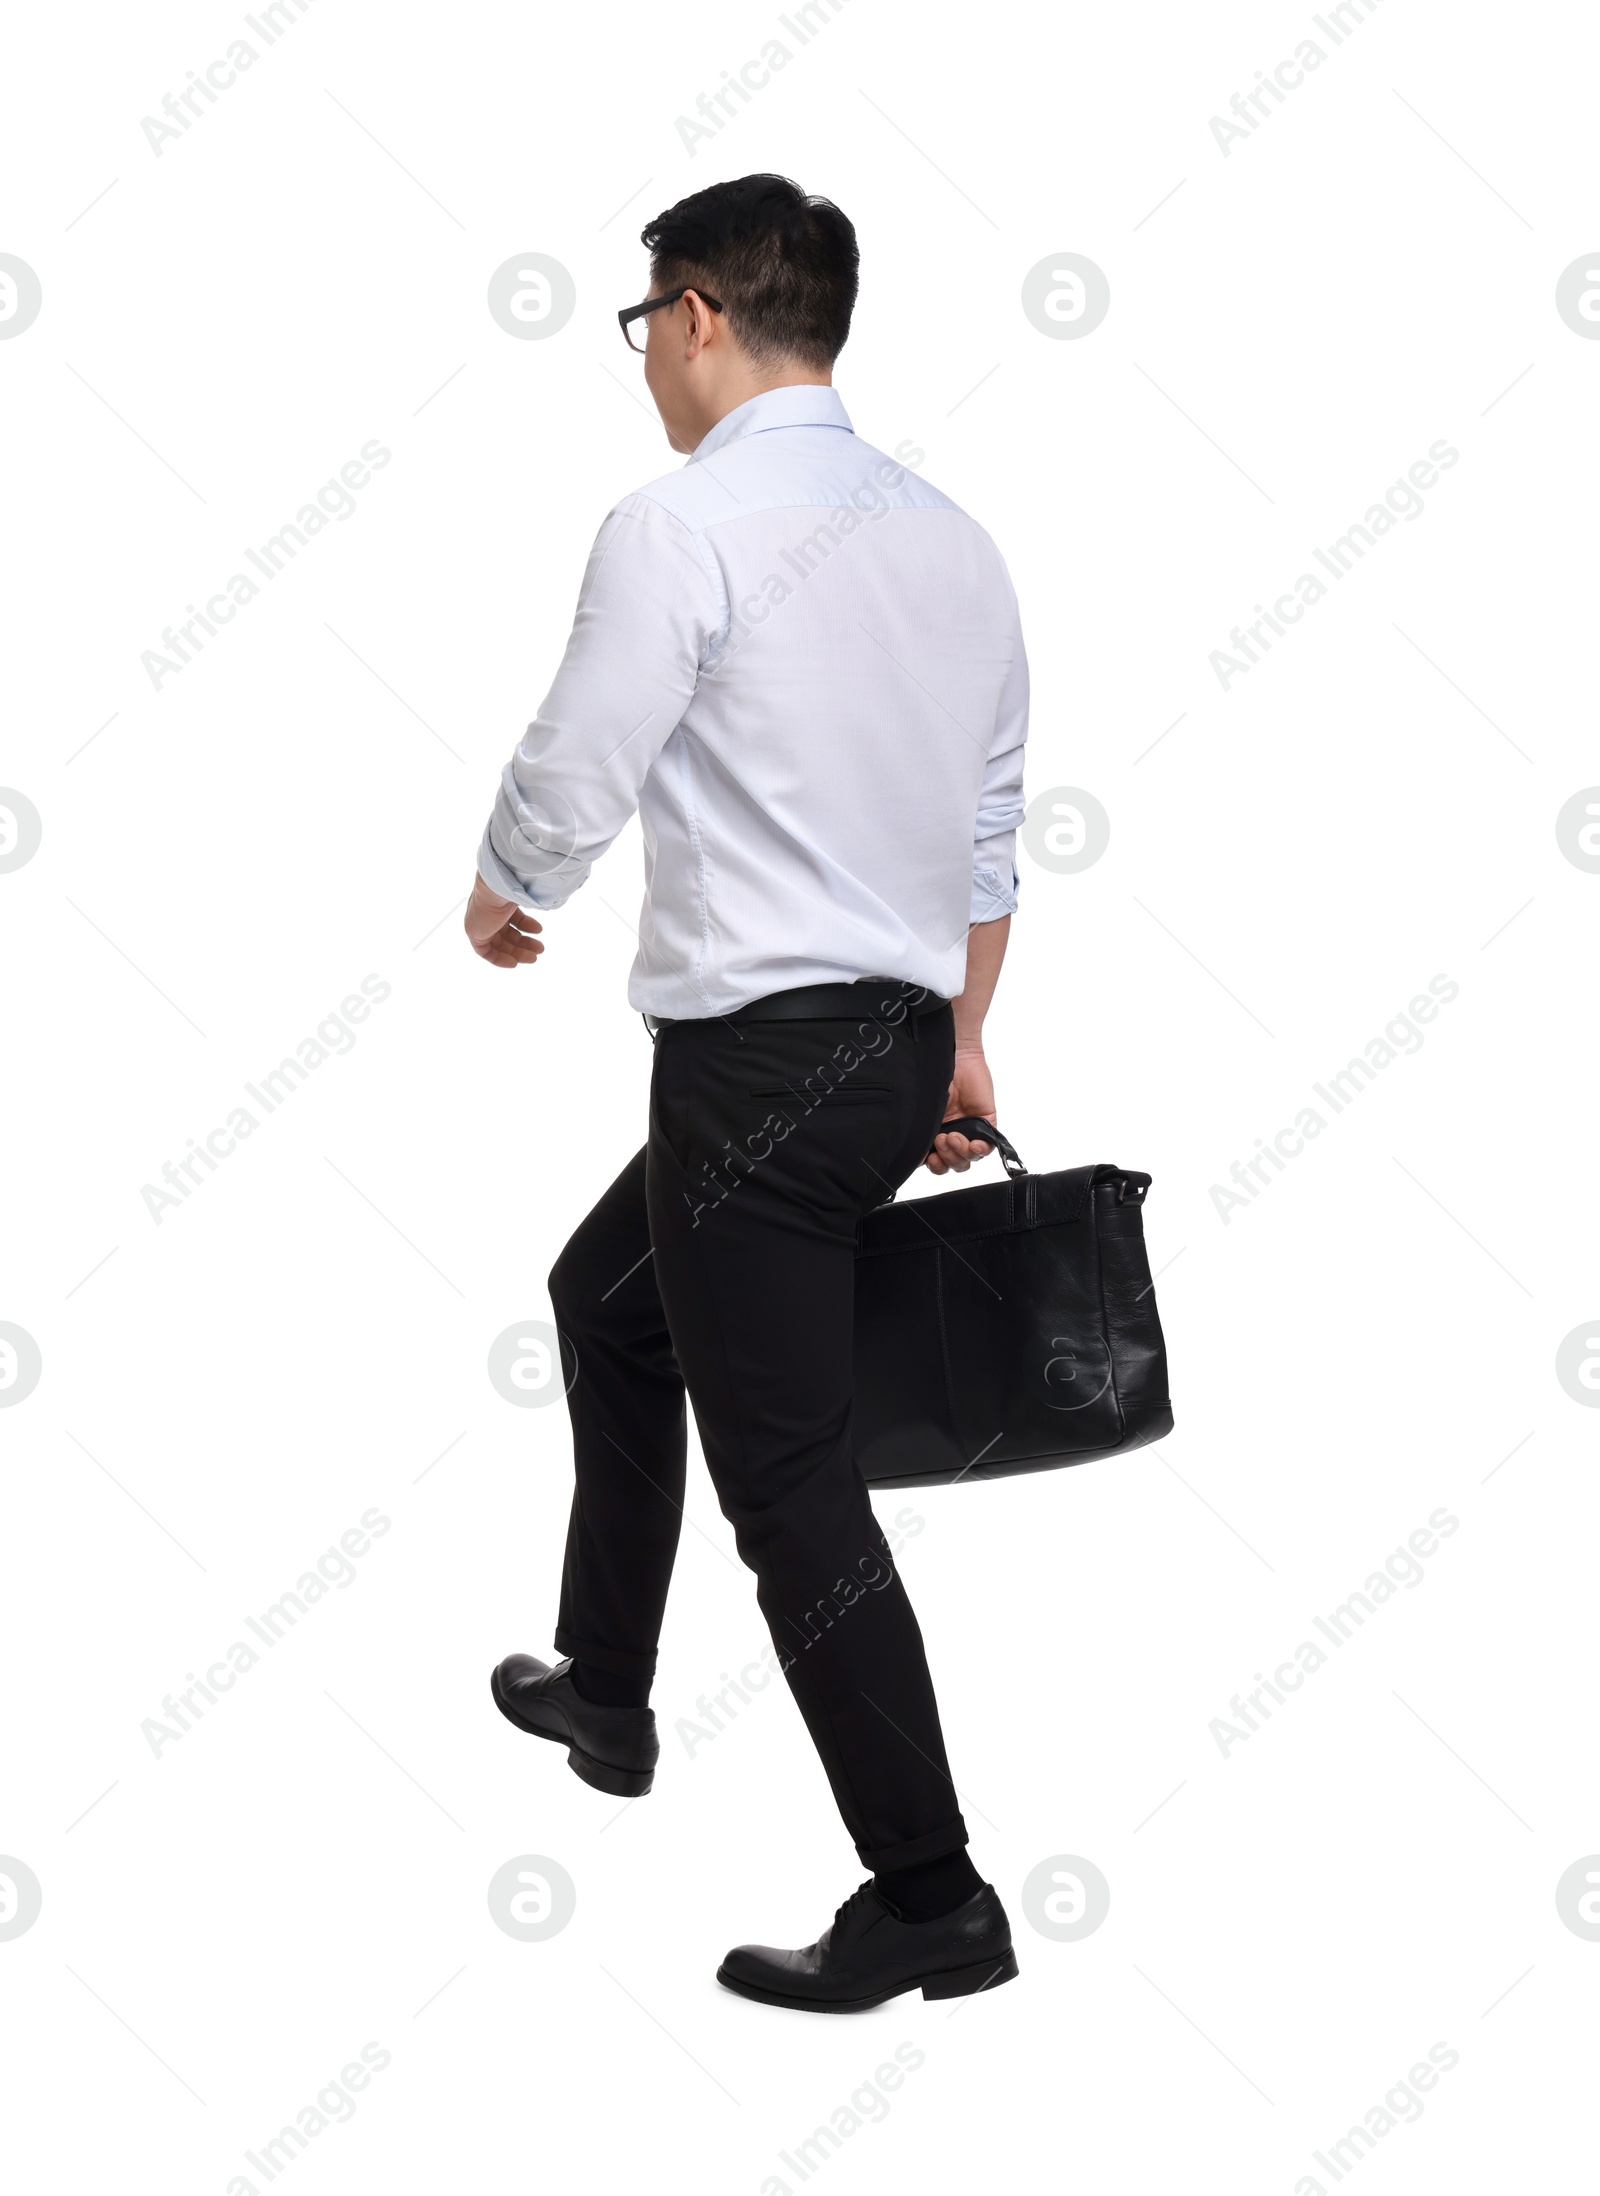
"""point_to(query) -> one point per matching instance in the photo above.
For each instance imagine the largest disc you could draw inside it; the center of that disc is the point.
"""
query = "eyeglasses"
(632, 313)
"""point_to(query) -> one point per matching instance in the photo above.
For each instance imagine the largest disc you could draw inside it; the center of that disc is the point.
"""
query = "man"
(804, 667)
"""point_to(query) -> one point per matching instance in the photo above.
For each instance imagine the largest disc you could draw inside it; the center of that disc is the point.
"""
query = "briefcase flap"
(989, 1208)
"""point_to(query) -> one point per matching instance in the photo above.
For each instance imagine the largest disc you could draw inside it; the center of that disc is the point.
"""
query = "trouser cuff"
(609, 1659)
(932, 1847)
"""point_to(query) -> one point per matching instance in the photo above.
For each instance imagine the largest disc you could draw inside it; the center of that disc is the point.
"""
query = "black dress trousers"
(722, 1260)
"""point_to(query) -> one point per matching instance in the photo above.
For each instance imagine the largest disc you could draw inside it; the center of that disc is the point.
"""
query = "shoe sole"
(603, 1775)
(955, 1982)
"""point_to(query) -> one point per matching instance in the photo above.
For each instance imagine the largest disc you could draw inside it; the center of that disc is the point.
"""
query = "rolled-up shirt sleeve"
(1000, 803)
(648, 612)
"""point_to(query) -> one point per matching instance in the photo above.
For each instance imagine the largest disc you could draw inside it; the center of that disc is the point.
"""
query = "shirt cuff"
(499, 879)
(993, 893)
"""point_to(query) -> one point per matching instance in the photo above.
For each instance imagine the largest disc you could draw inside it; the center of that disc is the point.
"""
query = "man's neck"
(741, 390)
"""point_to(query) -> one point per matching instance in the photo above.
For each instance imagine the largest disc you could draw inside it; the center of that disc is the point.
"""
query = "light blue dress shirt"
(803, 666)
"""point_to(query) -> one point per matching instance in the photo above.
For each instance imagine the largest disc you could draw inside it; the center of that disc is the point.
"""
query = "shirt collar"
(796, 404)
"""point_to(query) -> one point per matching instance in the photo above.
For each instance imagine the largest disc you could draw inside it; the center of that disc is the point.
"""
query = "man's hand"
(500, 930)
(971, 1091)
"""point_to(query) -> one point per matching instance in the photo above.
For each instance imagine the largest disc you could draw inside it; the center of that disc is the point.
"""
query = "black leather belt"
(822, 1003)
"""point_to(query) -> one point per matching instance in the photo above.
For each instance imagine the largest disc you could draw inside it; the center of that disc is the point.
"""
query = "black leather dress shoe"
(868, 1954)
(614, 1749)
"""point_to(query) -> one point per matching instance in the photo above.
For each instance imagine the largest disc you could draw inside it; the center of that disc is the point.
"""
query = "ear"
(702, 322)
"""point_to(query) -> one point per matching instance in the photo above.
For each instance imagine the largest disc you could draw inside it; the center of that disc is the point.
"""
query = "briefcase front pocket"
(1030, 1372)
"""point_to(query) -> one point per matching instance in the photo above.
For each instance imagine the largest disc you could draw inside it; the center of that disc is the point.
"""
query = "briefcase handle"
(973, 1126)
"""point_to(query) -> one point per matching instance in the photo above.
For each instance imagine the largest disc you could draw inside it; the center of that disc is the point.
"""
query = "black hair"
(785, 267)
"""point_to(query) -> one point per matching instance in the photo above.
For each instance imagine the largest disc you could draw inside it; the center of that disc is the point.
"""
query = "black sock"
(932, 1888)
(602, 1690)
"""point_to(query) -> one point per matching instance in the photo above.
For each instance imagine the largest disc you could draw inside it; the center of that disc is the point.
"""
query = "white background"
(1292, 1926)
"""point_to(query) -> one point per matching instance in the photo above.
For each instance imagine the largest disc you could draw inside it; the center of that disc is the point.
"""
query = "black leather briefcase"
(1006, 1328)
